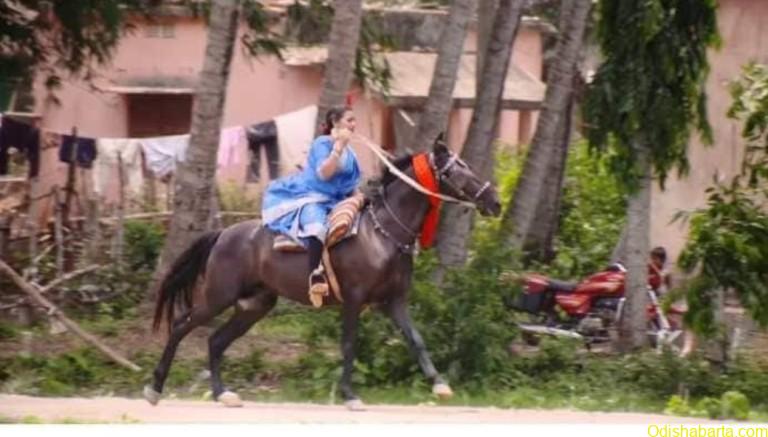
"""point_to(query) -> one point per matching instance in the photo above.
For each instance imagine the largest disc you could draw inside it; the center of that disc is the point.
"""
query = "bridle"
(442, 172)
(442, 175)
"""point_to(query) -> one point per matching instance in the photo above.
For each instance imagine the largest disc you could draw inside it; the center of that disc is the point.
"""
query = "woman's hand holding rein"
(329, 167)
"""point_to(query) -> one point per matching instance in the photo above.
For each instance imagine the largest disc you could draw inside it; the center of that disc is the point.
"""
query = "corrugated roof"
(297, 56)
(412, 75)
(147, 90)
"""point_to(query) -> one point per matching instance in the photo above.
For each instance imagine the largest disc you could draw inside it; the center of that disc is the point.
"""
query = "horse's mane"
(401, 164)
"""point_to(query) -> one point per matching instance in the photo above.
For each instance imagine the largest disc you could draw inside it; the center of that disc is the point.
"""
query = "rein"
(408, 180)
(428, 178)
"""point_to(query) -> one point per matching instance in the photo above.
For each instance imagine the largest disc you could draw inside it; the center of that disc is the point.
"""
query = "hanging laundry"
(105, 166)
(22, 137)
(49, 140)
(263, 135)
(163, 153)
(231, 146)
(83, 150)
(295, 132)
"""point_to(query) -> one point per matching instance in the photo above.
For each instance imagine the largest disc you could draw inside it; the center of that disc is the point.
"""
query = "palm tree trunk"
(540, 240)
(486, 11)
(518, 218)
(434, 117)
(620, 249)
(342, 46)
(456, 224)
(632, 334)
(195, 182)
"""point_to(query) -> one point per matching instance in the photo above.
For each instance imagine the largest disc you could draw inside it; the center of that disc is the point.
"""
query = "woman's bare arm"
(331, 164)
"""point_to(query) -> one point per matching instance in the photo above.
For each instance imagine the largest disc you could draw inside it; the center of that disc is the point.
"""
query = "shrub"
(677, 406)
(143, 243)
(735, 405)
(709, 407)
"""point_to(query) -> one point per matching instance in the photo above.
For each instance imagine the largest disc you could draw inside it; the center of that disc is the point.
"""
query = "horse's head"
(457, 180)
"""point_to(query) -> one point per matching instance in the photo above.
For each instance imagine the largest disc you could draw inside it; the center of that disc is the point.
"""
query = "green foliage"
(750, 105)
(258, 38)
(86, 33)
(592, 215)
(83, 372)
(310, 23)
(666, 374)
(244, 369)
(592, 212)
(369, 66)
(649, 91)
(677, 406)
(735, 405)
(709, 407)
(7, 331)
(727, 247)
(507, 171)
(143, 243)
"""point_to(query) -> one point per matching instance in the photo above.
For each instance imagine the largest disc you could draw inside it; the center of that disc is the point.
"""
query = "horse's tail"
(179, 283)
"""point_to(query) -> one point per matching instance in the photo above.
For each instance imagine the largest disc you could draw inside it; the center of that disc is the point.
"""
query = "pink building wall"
(259, 89)
(744, 38)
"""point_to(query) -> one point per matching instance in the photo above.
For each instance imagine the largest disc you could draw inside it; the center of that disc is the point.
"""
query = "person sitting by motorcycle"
(659, 276)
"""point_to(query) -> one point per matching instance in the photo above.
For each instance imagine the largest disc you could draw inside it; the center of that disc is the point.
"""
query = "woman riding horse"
(238, 267)
(298, 205)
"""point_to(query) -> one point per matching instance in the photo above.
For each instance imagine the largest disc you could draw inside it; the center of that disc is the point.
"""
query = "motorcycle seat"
(561, 286)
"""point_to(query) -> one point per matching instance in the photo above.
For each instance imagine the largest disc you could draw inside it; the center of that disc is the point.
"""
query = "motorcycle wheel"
(676, 345)
(530, 339)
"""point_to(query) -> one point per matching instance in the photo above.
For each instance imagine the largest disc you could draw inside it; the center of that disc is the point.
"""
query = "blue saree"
(298, 205)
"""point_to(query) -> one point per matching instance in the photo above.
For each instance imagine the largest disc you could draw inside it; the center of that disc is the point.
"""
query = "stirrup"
(318, 287)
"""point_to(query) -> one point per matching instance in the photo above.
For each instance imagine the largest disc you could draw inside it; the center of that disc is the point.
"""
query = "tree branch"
(53, 310)
(71, 275)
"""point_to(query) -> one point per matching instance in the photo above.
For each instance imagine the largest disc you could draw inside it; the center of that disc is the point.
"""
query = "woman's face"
(347, 121)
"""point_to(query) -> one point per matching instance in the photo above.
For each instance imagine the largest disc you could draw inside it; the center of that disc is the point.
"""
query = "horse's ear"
(440, 145)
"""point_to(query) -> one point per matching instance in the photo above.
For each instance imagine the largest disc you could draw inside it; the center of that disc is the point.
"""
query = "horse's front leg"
(350, 321)
(398, 311)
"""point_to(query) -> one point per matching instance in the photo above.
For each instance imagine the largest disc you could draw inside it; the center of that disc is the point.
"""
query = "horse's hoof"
(151, 395)
(354, 405)
(230, 399)
(442, 390)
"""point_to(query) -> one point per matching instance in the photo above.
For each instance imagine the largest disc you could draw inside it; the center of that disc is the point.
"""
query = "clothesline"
(109, 137)
(285, 137)
(143, 138)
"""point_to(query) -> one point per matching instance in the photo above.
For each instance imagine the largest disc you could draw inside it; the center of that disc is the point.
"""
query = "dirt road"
(177, 411)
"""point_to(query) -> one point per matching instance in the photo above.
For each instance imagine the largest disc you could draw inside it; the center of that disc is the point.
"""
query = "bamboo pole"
(31, 271)
(5, 233)
(54, 311)
(58, 232)
(70, 191)
(120, 233)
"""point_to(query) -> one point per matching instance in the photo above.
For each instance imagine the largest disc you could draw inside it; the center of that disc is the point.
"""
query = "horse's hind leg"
(181, 327)
(398, 311)
(247, 312)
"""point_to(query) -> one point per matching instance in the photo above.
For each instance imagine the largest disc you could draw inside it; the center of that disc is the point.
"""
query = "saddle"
(343, 222)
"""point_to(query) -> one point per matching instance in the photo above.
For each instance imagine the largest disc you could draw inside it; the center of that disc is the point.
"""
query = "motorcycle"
(591, 310)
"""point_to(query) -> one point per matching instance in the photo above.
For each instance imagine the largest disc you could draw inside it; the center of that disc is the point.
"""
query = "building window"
(160, 31)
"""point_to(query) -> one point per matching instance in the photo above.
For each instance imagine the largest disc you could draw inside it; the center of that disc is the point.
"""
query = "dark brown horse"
(238, 267)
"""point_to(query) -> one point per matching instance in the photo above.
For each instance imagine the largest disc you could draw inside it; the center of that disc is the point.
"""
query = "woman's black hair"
(660, 253)
(332, 117)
